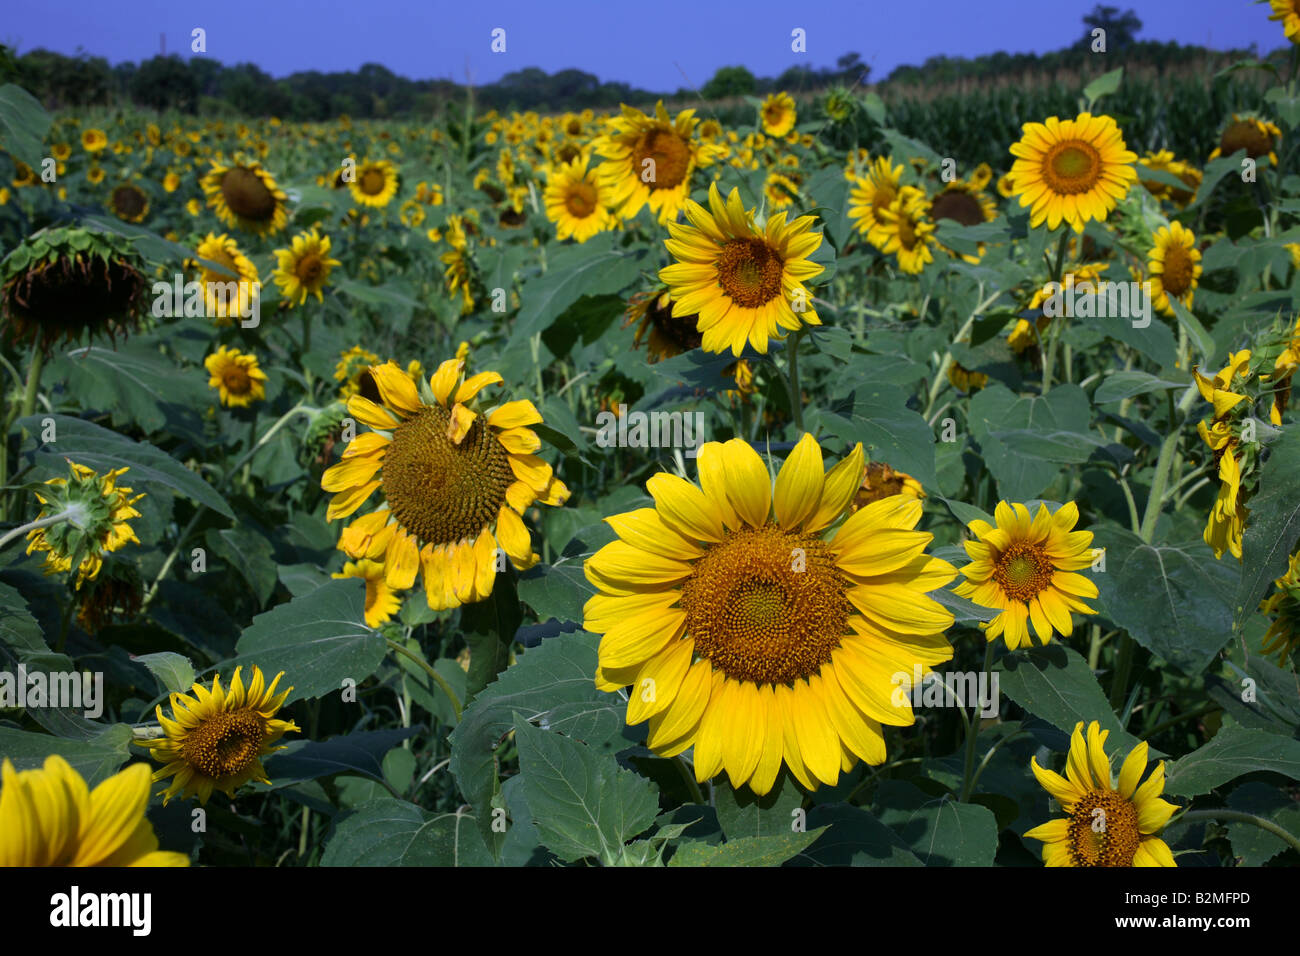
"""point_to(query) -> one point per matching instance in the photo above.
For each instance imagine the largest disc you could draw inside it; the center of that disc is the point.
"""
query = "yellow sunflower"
(236, 376)
(227, 294)
(778, 114)
(93, 140)
(216, 738)
(574, 202)
(245, 196)
(780, 190)
(964, 379)
(746, 283)
(50, 817)
(873, 193)
(98, 510)
(1174, 266)
(746, 633)
(906, 230)
(1108, 822)
(1026, 570)
(171, 182)
(1286, 13)
(351, 365)
(882, 481)
(381, 602)
(1283, 635)
(375, 183)
(650, 161)
(1256, 136)
(1284, 368)
(451, 479)
(1164, 161)
(304, 267)
(95, 175)
(1072, 171)
(666, 335)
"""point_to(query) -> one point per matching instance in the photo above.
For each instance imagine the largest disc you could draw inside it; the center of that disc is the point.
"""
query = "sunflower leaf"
(396, 833)
(771, 850)
(1232, 752)
(23, 124)
(1274, 525)
(96, 759)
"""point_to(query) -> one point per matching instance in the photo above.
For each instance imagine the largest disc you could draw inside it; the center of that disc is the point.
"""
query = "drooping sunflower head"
(666, 334)
(574, 202)
(778, 114)
(228, 292)
(304, 268)
(872, 193)
(1220, 391)
(454, 482)
(374, 183)
(1283, 605)
(1108, 822)
(1072, 170)
(746, 282)
(237, 377)
(1258, 137)
(245, 196)
(1026, 569)
(66, 282)
(839, 105)
(129, 203)
(97, 511)
(50, 817)
(1174, 265)
(216, 736)
(906, 229)
(749, 633)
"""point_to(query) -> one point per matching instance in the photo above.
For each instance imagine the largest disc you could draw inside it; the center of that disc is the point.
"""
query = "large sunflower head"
(746, 282)
(1025, 568)
(66, 282)
(304, 268)
(129, 203)
(650, 160)
(1258, 137)
(237, 377)
(97, 511)
(574, 202)
(1109, 821)
(50, 817)
(872, 193)
(778, 114)
(217, 736)
(245, 196)
(454, 482)
(964, 203)
(374, 183)
(1174, 265)
(907, 230)
(1072, 170)
(751, 631)
(228, 293)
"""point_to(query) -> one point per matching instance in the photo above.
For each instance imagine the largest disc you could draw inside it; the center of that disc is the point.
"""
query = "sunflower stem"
(688, 777)
(35, 526)
(969, 775)
(1236, 816)
(433, 674)
(796, 397)
(33, 382)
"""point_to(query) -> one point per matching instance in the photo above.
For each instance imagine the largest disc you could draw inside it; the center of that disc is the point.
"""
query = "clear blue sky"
(652, 44)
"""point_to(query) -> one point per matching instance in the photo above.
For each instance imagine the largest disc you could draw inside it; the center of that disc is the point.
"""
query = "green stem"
(1236, 816)
(433, 674)
(688, 777)
(796, 396)
(33, 382)
(969, 775)
(33, 526)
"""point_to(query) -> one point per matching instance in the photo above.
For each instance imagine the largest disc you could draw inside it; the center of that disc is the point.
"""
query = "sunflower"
(374, 184)
(873, 193)
(93, 140)
(171, 182)
(1026, 569)
(1164, 161)
(1285, 12)
(964, 202)
(905, 229)
(780, 190)
(304, 267)
(459, 276)
(1006, 186)
(351, 366)
(778, 114)
(882, 481)
(1283, 635)
(1256, 136)
(1108, 822)
(1174, 265)
(381, 602)
(216, 738)
(98, 510)
(129, 203)
(964, 379)
(245, 196)
(574, 202)
(1022, 335)
(236, 376)
(226, 298)
(50, 817)
(95, 175)
(752, 637)
(1284, 367)
(650, 161)
(666, 334)
(1072, 171)
(746, 283)
(451, 479)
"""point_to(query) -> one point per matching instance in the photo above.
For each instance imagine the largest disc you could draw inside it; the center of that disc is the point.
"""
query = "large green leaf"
(877, 415)
(361, 753)
(771, 850)
(1274, 524)
(583, 803)
(23, 124)
(741, 813)
(1232, 752)
(396, 833)
(556, 590)
(854, 838)
(88, 444)
(1024, 440)
(319, 639)
(139, 385)
(250, 555)
(96, 759)
(940, 831)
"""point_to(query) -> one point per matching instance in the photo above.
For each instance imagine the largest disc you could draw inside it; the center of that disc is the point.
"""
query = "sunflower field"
(650, 488)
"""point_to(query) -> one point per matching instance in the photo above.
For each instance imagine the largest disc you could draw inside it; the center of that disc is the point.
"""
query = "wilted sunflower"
(228, 294)
(1285, 12)
(304, 268)
(778, 114)
(872, 193)
(1109, 822)
(98, 510)
(1283, 605)
(64, 282)
(650, 159)
(666, 335)
(574, 202)
(746, 283)
(1256, 136)
(747, 634)
(374, 183)
(381, 602)
(906, 230)
(1227, 519)
(1072, 170)
(50, 817)
(237, 377)
(129, 203)
(1026, 569)
(454, 483)
(1174, 265)
(216, 738)
(882, 481)
(245, 196)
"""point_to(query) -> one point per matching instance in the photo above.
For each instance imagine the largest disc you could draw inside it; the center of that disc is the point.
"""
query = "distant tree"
(852, 69)
(165, 82)
(729, 81)
(1121, 28)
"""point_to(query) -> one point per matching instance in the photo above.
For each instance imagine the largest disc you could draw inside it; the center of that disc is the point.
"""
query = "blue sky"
(652, 44)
